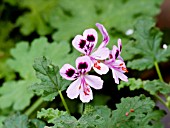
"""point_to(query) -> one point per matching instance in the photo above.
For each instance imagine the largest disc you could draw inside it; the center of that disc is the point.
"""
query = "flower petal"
(79, 43)
(68, 72)
(119, 42)
(101, 54)
(83, 64)
(115, 52)
(85, 98)
(94, 81)
(117, 74)
(74, 89)
(104, 34)
(91, 36)
(100, 67)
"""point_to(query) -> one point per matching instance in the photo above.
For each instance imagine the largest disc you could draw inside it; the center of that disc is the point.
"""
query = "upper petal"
(101, 53)
(80, 43)
(115, 52)
(84, 97)
(91, 36)
(119, 42)
(74, 89)
(83, 64)
(68, 72)
(94, 81)
(104, 34)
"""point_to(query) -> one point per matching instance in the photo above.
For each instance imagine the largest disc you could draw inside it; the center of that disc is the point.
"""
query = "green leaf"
(148, 43)
(2, 119)
(132, 83)
(135, 112)
(157, 86)
(153, 87)
(15, 94)
(98, 116)
(51, 81)
(36, 19)
(5, 44)
(59, 118)
(71, 20)
(21, 121)
(22, 61)
(16, 121)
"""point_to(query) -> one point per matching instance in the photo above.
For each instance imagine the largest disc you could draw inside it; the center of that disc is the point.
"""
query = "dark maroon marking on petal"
(82, 44)
(117, 53)
(90, 38)
(70, 72)
(82, 65)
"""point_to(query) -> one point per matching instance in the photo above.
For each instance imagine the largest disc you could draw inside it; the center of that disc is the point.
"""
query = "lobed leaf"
(148, 43)
(51, 81)
(21, 121)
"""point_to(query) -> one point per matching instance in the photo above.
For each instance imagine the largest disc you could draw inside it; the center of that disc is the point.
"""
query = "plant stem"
(162, 101)
(34, 106)
(63, 101)
(158, 71)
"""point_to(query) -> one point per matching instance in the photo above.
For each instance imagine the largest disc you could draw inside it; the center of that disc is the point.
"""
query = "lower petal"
(73, 90)
(94, 81)
(120, 75)
(85, 98)
(100, 68)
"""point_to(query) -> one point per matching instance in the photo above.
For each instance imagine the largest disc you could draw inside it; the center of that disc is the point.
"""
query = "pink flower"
(86, 44)
(82, 81)
(116, 63)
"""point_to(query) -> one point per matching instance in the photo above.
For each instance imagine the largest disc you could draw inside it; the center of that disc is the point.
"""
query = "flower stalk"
(64, 102)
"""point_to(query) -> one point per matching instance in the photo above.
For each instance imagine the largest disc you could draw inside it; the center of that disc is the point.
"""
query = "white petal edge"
(73, 90)
(94, 81)
(76, 41)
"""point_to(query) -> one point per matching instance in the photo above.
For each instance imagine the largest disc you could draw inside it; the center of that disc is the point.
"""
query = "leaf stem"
(33, 107)
(162, 101)
(158, 71)
(63, 101)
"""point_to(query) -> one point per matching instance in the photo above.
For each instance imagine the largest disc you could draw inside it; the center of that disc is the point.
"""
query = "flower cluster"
(101, 59)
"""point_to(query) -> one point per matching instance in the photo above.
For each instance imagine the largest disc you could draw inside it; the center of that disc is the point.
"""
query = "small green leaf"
(132, 84)
(51, 81)
(58, 118)
(153, 87)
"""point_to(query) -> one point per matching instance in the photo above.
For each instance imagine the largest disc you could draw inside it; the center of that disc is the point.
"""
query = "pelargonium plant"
(100, 59)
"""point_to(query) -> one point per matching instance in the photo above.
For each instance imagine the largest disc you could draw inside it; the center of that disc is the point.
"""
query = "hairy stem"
(37, 103)
(63, 101)
(158, 71)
